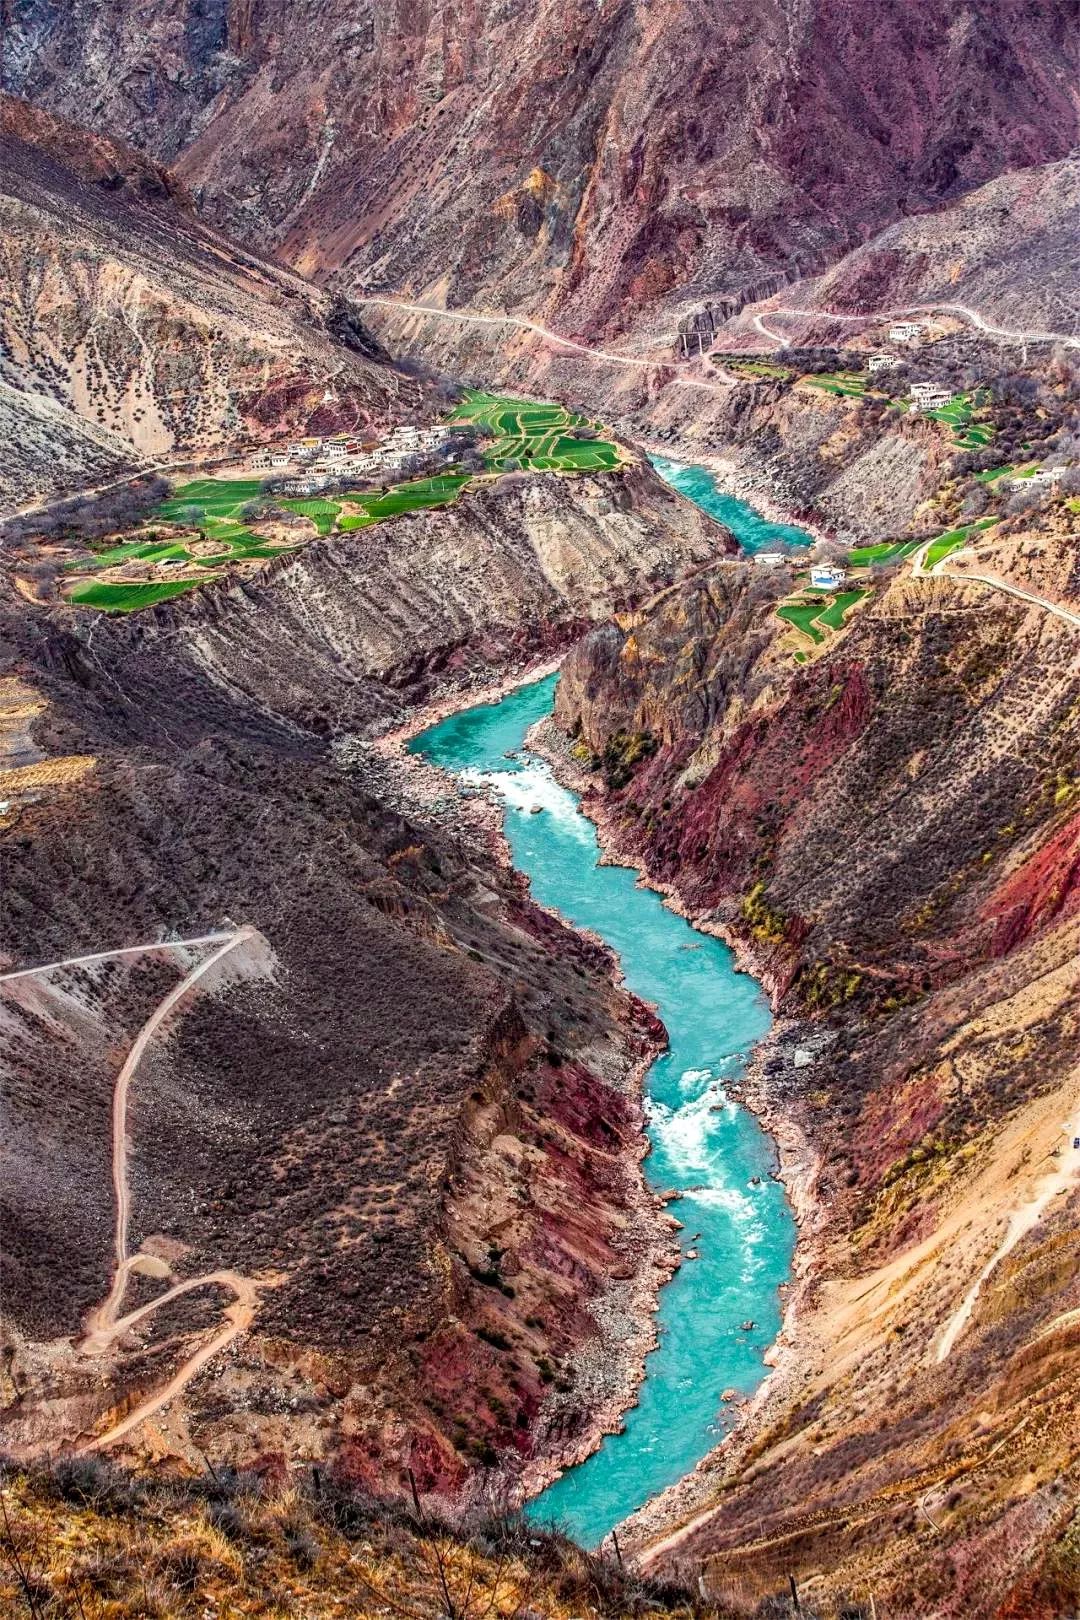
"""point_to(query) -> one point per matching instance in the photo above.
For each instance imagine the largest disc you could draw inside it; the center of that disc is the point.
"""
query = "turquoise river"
(704, 1143)
(752, 530)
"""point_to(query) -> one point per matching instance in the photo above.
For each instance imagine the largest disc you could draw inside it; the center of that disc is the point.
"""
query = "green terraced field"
(414, 497)
(886, 551)
(833, 615)
(954, 540)
(536, 436)
(218, 497)
(813, 612)
(839, 382)
(118, 598)
(958, 413)
(321, 512)
(802, 615)
(761, 368)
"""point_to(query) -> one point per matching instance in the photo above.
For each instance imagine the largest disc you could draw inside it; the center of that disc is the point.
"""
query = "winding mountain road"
(1007, 334)
(1020, 1224)
(101, 1320)
(104, 1326)
(470, 317)
(919, 570)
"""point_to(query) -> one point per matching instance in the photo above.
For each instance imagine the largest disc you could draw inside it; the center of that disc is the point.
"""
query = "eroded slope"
(129, 332)
(890, 836)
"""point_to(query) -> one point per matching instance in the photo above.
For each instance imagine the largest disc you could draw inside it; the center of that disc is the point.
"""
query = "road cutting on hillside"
(104, 1325)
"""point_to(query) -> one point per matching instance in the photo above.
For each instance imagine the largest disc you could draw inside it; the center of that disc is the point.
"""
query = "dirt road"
(104, 1326)
(919, 570)
(101, 1319)
(1005, 333)
(1030, 1213)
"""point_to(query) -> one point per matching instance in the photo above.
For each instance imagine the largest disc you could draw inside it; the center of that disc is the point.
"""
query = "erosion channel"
(736, 1220)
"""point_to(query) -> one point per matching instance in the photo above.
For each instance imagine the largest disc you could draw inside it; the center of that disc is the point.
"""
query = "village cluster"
(317, 462)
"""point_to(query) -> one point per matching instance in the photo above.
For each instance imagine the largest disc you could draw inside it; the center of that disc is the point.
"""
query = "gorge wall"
(402, 1124)
(889, 835)
(600, 162)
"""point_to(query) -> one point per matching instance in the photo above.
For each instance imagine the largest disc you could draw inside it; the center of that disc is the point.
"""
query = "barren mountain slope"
(390, 1137)
(594, 161)
(1008, 250)
(121, 312)
(890, 836)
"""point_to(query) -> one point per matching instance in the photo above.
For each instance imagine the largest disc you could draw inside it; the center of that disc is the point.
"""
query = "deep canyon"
(534, 997)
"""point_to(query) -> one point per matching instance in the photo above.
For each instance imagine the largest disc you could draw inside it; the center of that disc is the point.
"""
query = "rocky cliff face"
(510, 571)
(598, 162)
(401, 1123)
(889, 835)
(129, 332)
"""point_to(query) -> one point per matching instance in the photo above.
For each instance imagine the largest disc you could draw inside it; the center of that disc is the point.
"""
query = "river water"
(705, 1144)
(752, 530)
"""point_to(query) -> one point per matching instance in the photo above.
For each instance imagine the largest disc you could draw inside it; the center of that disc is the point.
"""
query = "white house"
(929, 396)
(826, 577)
(334, 449)
(770, 559)
(1039, 478)
(904, 331)
(883, 362)
(279, 458)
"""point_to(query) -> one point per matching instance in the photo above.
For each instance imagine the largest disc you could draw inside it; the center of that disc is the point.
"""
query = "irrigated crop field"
(202, 531)
(820, 612)
(955, 540)
(535, 437)
(852, 383)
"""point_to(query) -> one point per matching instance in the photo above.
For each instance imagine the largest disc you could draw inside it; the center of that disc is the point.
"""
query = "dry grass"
(84, 1541)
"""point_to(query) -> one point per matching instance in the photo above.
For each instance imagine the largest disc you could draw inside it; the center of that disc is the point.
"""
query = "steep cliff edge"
(890, 837)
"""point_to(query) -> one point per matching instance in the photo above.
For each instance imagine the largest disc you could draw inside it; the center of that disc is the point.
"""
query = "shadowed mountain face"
(593, 161)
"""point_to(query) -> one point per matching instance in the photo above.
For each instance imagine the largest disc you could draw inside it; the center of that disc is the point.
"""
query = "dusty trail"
(920, 571)
(125, 950)
(239, 1316)
(1007, 334)
(104, 1326)
(102, 1319)
(468, 317)
(1021, 1223)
